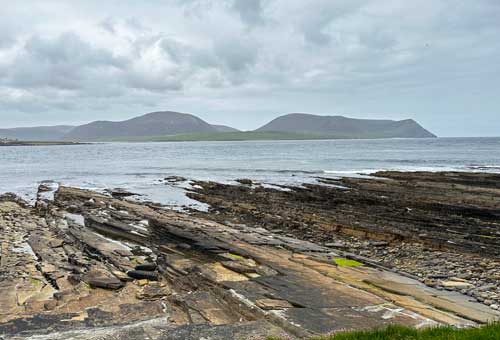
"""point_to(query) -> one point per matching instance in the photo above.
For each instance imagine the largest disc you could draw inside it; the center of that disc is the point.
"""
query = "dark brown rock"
(102, 280)
(151, 267)
(142, 274)
(245, 181)
(121, 193)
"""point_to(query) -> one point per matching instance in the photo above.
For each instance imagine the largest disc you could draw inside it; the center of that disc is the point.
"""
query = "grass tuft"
(490, 332)
(235, 257)
(341, 262)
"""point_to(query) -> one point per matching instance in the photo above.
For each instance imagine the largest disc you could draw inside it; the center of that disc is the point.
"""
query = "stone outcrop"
(439, 228)
(87, 265)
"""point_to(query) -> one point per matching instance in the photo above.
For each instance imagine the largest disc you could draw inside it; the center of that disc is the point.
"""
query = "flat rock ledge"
(441, 229)
(82, 265)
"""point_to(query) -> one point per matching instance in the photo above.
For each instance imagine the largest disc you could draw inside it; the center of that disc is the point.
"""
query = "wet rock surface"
(120, 193)
(82, 265)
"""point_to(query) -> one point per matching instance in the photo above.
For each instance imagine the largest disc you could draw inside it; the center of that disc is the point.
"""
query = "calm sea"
(139, 166)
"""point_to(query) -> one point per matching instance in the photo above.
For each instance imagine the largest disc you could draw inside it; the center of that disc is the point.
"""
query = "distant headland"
(16, 142)
(175, 126)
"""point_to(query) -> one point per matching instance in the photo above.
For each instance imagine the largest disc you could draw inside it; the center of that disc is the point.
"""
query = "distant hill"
(39, 133)
(175, 126)
(224, 128)
(343, 127)
(151, 124)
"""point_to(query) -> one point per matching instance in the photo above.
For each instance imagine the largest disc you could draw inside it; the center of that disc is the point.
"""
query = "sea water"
(139, 167)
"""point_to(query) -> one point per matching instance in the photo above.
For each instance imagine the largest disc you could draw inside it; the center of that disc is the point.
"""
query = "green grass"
(220, 136)
(245, 136)
(341, 262)
(235, 257)
(240, 136)
(491, 332)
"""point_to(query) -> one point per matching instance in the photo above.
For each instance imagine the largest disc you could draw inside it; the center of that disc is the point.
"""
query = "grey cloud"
(194, 56)
(465, 16)
(377, 39)
(113, 26)
(237, 54)
(70, 48)
(195, 7)
(6, 40)
(9, 31)
(177, 51)
(313, 30)
(225, 62)
(137, 25)
(250, 12)
(29, 102)
(275, 55)
(314, 20)
(108, 25)
(158, 83)
(66, 62)
(168, 70)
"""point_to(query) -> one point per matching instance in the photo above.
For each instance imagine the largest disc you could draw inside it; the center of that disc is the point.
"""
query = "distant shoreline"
(221, 137)
(37, 143)
(243, 136)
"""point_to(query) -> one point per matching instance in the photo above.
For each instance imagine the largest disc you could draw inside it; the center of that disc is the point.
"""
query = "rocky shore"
(287, 262)
(440, 228)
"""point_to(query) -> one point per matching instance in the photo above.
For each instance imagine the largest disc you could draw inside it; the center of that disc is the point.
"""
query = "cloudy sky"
(243, 62)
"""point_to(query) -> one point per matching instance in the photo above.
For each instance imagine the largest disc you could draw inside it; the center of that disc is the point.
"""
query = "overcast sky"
(244, 62)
